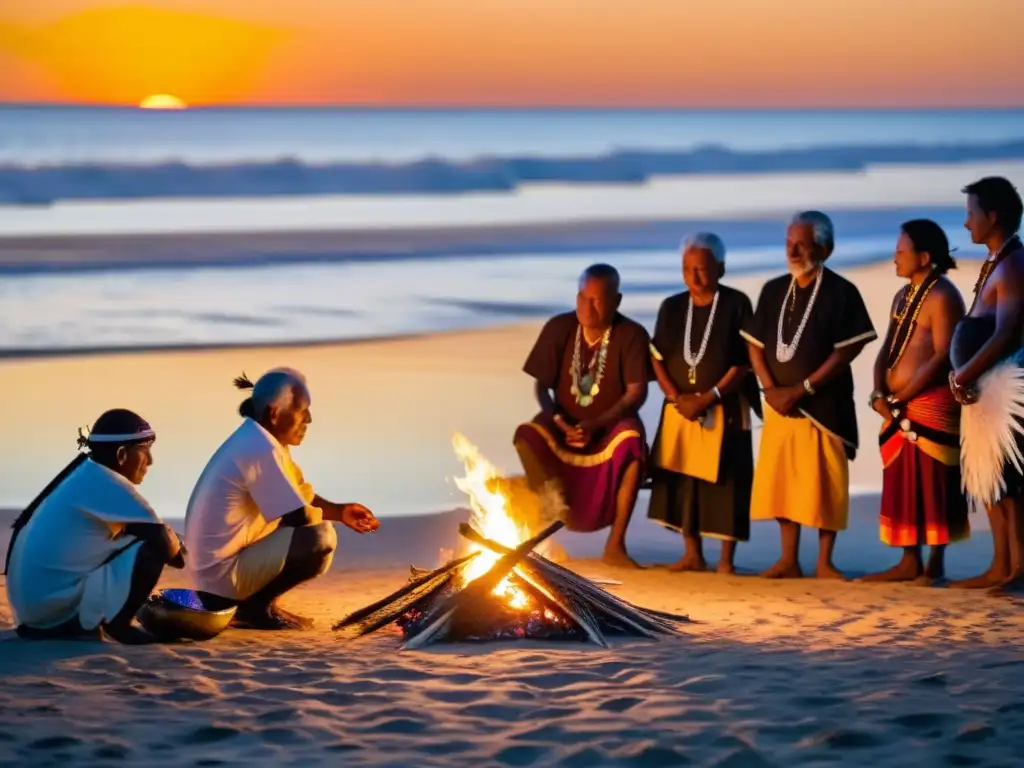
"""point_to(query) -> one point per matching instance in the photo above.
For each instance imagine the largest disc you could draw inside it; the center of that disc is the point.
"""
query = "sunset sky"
(658, 53)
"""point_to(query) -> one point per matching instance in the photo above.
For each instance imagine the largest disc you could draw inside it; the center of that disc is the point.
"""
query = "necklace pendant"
(693, 374)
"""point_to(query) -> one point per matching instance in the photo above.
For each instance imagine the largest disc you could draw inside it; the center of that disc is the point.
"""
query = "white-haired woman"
(703, 464)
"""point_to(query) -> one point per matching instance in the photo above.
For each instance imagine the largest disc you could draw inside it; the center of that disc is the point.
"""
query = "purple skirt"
(590, 476)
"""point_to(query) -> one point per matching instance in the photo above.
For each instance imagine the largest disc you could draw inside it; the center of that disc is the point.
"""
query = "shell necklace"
(585, 386)
(694, 360)
(785, 352)
(990, 264)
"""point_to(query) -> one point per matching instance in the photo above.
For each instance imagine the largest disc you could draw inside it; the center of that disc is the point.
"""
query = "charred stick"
(362, 613)
(395, 611)
(583, 617)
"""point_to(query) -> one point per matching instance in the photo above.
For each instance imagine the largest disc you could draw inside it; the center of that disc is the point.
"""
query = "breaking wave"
(45, 184)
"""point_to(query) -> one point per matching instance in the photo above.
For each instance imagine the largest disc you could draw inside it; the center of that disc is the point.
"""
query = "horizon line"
(460, 107)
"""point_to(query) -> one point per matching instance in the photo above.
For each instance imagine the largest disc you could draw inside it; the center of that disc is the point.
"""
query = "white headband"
(147, 434)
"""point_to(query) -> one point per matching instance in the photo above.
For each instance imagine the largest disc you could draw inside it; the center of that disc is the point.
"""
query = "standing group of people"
(948, 386)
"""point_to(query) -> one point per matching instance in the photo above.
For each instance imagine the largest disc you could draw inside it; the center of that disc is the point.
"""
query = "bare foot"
(828, 571)
(783, 570)
(266, 618)
(936, 569)
(301, 621)
(1012, 585)
(986, 580)
(726, 569)
(907, 569)
(619, 558)
(689, 563)
(927, 581)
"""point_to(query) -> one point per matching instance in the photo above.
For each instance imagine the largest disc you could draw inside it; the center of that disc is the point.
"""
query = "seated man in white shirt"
(254, 527)
(88, 551)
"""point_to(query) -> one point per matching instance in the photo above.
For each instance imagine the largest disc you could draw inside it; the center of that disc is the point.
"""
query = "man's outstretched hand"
(359, 518)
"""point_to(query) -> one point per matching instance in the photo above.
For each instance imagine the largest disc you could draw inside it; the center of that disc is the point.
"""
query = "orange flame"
(491, 516)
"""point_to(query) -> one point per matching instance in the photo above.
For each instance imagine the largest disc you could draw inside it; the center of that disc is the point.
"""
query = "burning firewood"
(642, 620)
(476, 591)
(506, 587)
(440, 605)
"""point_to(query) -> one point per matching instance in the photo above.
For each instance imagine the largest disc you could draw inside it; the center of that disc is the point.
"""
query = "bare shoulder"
(944, 300)
(946, 294)
(1011, 270)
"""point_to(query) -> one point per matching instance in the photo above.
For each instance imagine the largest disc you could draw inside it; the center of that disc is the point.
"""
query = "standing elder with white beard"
(807, 329)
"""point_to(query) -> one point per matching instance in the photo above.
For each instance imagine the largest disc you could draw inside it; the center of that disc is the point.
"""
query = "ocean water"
(51, 154)
(81, 173)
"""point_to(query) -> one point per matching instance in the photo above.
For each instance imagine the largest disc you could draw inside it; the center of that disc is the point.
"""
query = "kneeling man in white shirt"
(254, 528)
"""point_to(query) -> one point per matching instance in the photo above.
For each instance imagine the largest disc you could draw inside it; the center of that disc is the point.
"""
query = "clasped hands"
(693, 407)
(783, 400)
(577, 436)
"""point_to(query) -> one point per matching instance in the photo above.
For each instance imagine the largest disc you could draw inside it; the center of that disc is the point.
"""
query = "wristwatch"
(807, 387)
(875, 396)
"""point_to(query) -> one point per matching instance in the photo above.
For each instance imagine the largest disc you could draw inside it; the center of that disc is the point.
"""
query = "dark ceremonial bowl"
(177, 614)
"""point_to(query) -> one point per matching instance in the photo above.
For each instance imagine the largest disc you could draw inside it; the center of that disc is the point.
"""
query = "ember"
(503, 588)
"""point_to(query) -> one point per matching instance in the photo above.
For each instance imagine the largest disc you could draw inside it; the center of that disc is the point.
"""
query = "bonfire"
(502, 586)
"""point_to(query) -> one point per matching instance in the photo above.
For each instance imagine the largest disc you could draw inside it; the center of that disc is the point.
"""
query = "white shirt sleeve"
(106, 496)
(271, 488)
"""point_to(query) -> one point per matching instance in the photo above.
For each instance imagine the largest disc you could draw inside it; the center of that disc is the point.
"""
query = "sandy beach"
(769, 673)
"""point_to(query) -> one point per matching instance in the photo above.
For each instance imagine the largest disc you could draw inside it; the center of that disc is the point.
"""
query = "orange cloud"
(120, 55)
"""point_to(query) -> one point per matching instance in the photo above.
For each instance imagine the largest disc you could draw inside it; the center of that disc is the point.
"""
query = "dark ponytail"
(22, 520)
(246, 409)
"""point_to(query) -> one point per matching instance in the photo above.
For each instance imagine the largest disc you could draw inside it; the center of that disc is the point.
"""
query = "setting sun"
(162, 101)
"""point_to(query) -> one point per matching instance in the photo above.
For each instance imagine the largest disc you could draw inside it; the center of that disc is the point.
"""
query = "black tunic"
(838, 318)
(689, 504)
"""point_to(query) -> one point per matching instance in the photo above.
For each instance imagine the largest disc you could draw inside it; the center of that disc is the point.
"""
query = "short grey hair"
(276, 389)
(706, 241)
(820, 224)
